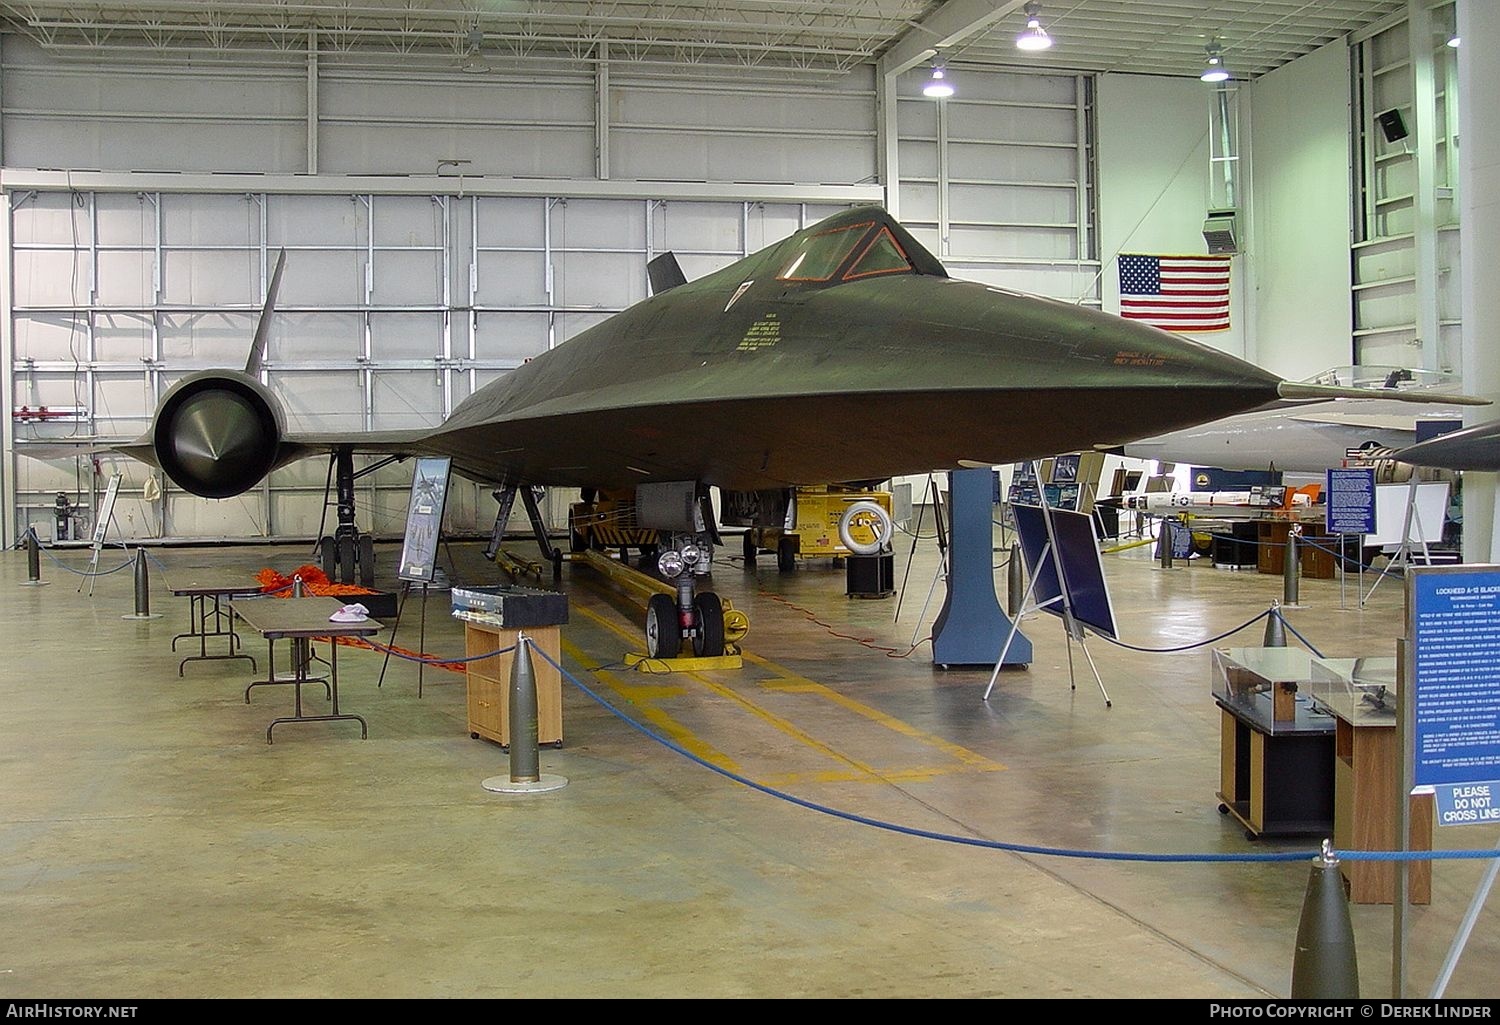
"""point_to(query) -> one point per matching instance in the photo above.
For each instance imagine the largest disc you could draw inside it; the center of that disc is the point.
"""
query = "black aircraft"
(842, 353)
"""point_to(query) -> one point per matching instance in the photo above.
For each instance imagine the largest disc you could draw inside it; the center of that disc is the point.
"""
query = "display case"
(1267, 687)
(1276, 747)
(1359, 691)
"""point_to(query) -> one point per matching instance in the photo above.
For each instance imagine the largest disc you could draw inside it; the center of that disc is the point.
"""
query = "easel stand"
(1403, 554)
(406, 586)
(1071, 628)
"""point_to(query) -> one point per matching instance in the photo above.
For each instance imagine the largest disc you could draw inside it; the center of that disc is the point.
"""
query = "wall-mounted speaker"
(1392, 124)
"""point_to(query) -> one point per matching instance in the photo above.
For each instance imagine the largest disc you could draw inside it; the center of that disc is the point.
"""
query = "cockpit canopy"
(846, 253)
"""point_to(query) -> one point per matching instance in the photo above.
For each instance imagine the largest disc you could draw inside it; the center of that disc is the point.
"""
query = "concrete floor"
(155, 845)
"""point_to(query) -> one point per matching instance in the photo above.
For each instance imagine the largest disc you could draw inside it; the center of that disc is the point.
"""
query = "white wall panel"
(512, 279)
(510, 336)
(221, 277)
(323, 400)
(1300, 138)
(406, 335)
(404, 399)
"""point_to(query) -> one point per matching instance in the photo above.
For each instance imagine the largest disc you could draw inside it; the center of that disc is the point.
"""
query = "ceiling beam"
(944, 28)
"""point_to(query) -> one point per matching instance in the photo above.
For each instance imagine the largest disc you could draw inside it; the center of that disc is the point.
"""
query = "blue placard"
(1468, 804)
(1456, 652)
(1350, 506)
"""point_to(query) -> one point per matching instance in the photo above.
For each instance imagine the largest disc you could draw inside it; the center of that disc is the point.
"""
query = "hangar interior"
(460, 187)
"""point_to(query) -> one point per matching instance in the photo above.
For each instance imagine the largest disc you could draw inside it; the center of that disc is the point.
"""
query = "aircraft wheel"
(708, 610)
(346, 560)
(751, 548)
(649, 554)
(366, 560)
(786, 554)
(328, 557)
(663, 631)
(577, 542)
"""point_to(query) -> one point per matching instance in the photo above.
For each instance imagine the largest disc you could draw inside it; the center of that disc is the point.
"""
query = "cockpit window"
(823, 254)
(883, 255)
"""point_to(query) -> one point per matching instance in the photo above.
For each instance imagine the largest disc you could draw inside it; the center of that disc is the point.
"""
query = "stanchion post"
(142, 589)
(1325, 966)
(1015, 581)
(1275, 636)
(525, 758)
(526, 776)
(33, 561)
(1164, 544)
(1289, 568)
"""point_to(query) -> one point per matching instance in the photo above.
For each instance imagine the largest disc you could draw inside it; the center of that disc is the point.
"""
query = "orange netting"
(316, 584)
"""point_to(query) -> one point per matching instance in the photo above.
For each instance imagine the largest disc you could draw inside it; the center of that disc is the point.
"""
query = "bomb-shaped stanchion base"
(525, 775)
(1325, 966)
(1275, 628)
(142, 589)
(33, 562)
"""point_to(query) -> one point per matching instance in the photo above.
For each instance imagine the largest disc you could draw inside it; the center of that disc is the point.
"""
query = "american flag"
(1176, 293)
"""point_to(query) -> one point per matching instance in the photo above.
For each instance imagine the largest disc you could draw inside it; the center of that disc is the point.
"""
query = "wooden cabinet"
(1275, 784)
(1315, 552)
(1364, 814)
(489, 682)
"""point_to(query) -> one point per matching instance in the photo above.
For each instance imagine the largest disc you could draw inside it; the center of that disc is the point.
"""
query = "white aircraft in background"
(1310, 437)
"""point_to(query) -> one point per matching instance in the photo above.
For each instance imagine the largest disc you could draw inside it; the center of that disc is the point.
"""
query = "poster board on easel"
(424, 519)
(424, 529)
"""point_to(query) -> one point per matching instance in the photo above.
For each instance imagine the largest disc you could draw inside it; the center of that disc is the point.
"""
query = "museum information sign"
(1456, 662)
(1350, 507)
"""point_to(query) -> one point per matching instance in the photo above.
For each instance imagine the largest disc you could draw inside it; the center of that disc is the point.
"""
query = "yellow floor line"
(792, 682)
(798, 685)
(638, 698)
(920, 774)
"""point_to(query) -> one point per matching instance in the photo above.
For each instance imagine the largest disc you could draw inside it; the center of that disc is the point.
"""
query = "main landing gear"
(347, 556)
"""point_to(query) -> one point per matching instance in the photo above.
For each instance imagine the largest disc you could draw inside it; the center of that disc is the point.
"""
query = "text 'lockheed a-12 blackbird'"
(843, 353)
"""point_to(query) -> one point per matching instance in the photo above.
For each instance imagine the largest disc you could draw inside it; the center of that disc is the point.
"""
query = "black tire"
(346, 560)
(576, 541)
(649, 555)
(328, 557)
(751, 548)
(708, 611)
(786, 554)
(366, 560)
(663, 631)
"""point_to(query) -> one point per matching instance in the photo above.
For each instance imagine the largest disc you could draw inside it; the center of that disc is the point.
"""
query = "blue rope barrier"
(1000, 845)
(1298, 634)
(1356, 563)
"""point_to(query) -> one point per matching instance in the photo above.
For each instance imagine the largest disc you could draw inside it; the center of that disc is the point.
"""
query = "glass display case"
(1276, 747)
(1359, 691)
(1268, 688)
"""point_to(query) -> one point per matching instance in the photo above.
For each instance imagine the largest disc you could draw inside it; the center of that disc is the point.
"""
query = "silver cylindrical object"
(1164, 544)
(33, 557)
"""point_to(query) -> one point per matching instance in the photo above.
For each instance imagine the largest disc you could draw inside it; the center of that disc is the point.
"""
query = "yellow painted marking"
(788, 681)
(669, 727)
(920, 774)
(798, 685)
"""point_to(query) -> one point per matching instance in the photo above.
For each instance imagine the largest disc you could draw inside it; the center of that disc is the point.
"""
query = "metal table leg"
(364, 729)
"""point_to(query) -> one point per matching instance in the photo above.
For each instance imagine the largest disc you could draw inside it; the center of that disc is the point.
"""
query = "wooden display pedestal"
(489, 682)
(1364, 815)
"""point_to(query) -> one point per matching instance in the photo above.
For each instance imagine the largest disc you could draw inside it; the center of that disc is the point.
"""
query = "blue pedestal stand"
(971, 628)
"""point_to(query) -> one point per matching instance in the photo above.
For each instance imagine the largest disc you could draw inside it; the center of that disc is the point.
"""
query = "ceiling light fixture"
(1215, 70)
(1033, 36)
(938, 85)
(1453, 40)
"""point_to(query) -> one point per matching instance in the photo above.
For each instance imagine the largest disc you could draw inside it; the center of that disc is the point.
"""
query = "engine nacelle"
(218, 433)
